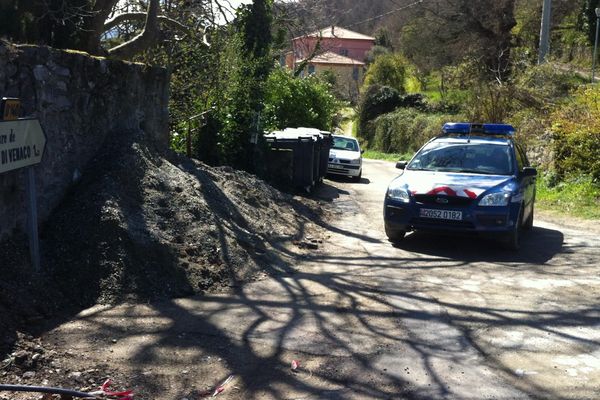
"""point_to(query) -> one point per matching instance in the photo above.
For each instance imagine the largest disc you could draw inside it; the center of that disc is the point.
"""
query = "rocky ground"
(140, 226)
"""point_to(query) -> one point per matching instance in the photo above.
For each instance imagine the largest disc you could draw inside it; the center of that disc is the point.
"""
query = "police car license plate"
(441, 214)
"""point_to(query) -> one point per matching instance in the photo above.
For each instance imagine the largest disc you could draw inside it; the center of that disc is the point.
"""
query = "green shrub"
(294, 102)
(579, 196)
(206, 139)
(544, 85)
(484, 100)
(380, 155)
(415, 100)
(375, 101)
(531, 124)
(479, 97)
(406, 130)
(576, 129)
(490, 102)
(376, 52)
(388, 70)
(538, 89)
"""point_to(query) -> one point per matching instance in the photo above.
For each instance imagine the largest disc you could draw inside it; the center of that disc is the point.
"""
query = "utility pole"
(597, 11)
(545, 31)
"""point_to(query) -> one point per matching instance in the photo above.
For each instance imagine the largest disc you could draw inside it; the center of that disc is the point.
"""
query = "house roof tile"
(333, 58)
(339, 33)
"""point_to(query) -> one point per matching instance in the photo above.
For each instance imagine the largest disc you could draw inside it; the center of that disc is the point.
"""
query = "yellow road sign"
(10, 109)
(22, 144)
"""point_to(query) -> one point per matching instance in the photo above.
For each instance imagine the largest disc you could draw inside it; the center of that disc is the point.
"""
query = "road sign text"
(22, 143)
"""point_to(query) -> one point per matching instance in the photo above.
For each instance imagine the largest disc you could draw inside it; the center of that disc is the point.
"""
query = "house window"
(355, 73)
(344, 52)
(311, 69)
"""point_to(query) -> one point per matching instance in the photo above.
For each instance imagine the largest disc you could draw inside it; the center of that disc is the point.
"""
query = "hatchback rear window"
(340, 143)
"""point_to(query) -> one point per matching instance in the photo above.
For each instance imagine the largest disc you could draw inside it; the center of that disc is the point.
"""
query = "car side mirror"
(529, 171)
(401, 164)
(362, 151)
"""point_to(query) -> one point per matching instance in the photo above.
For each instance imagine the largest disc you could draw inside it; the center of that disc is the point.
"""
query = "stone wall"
(80, 101)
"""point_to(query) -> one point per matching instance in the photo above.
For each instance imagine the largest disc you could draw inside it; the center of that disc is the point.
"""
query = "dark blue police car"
(471, 178)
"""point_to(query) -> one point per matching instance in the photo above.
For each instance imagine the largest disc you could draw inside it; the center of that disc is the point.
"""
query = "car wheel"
(513, 240)
(358, 177)
(528, 225)
(394, 235)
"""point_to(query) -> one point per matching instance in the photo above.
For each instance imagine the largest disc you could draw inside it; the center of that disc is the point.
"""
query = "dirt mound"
(142, 226)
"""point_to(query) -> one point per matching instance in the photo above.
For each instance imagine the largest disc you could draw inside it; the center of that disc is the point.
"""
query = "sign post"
(32, 220)
(22, 144)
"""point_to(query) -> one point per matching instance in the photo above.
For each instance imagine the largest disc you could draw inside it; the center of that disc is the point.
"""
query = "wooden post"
(188, 139)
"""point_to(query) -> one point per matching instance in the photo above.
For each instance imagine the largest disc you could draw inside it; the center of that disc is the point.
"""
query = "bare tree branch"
(143, 40)
(224, 10)
(141, 16)
(94, 26)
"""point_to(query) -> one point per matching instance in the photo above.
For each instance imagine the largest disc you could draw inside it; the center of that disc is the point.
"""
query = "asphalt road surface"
(439, 317)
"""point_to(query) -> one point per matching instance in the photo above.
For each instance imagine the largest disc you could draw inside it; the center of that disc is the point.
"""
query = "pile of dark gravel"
(143, 226)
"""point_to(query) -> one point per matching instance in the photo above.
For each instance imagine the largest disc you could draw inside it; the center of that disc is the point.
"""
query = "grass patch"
(579, 197)
(348, 121)
(347, 113)
(380, 155)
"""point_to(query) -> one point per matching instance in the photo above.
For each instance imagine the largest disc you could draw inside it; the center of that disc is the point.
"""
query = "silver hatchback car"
(345, 157)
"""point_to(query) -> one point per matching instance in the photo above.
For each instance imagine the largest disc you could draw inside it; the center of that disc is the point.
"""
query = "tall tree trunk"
(90, 37)
(145, 39)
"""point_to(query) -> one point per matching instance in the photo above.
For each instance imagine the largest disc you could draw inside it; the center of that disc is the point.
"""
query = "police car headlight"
(497, 199)
(399, 194)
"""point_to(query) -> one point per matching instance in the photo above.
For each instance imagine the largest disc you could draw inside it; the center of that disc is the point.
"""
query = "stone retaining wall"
(80, 100)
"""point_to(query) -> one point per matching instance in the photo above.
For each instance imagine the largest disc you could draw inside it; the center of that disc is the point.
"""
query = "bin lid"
(293, 133)
(314, 131)
(296, 133)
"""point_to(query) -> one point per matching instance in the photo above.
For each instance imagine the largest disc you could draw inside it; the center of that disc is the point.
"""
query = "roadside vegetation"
(227, 88)
(379, 155)
(576, 196)
(410, 90)
(293, 102)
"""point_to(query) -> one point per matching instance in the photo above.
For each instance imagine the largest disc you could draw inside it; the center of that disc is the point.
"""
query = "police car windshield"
(477, 158)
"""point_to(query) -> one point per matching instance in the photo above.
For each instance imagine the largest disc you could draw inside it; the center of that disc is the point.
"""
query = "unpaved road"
(439, 318)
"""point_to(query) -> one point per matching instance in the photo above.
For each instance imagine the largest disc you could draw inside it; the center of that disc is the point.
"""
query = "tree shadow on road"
(329, 192)
(341, 178)
(358, 321)
(537, 246)
(358, 326)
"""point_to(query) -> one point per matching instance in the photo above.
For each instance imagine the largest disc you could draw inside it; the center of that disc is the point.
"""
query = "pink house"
(333, 39)
(338, 50)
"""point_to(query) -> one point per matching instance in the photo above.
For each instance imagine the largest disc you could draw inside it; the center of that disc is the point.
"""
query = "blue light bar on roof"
(487, 129)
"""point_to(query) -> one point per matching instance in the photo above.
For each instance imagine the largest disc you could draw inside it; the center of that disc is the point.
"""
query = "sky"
(236, 3)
